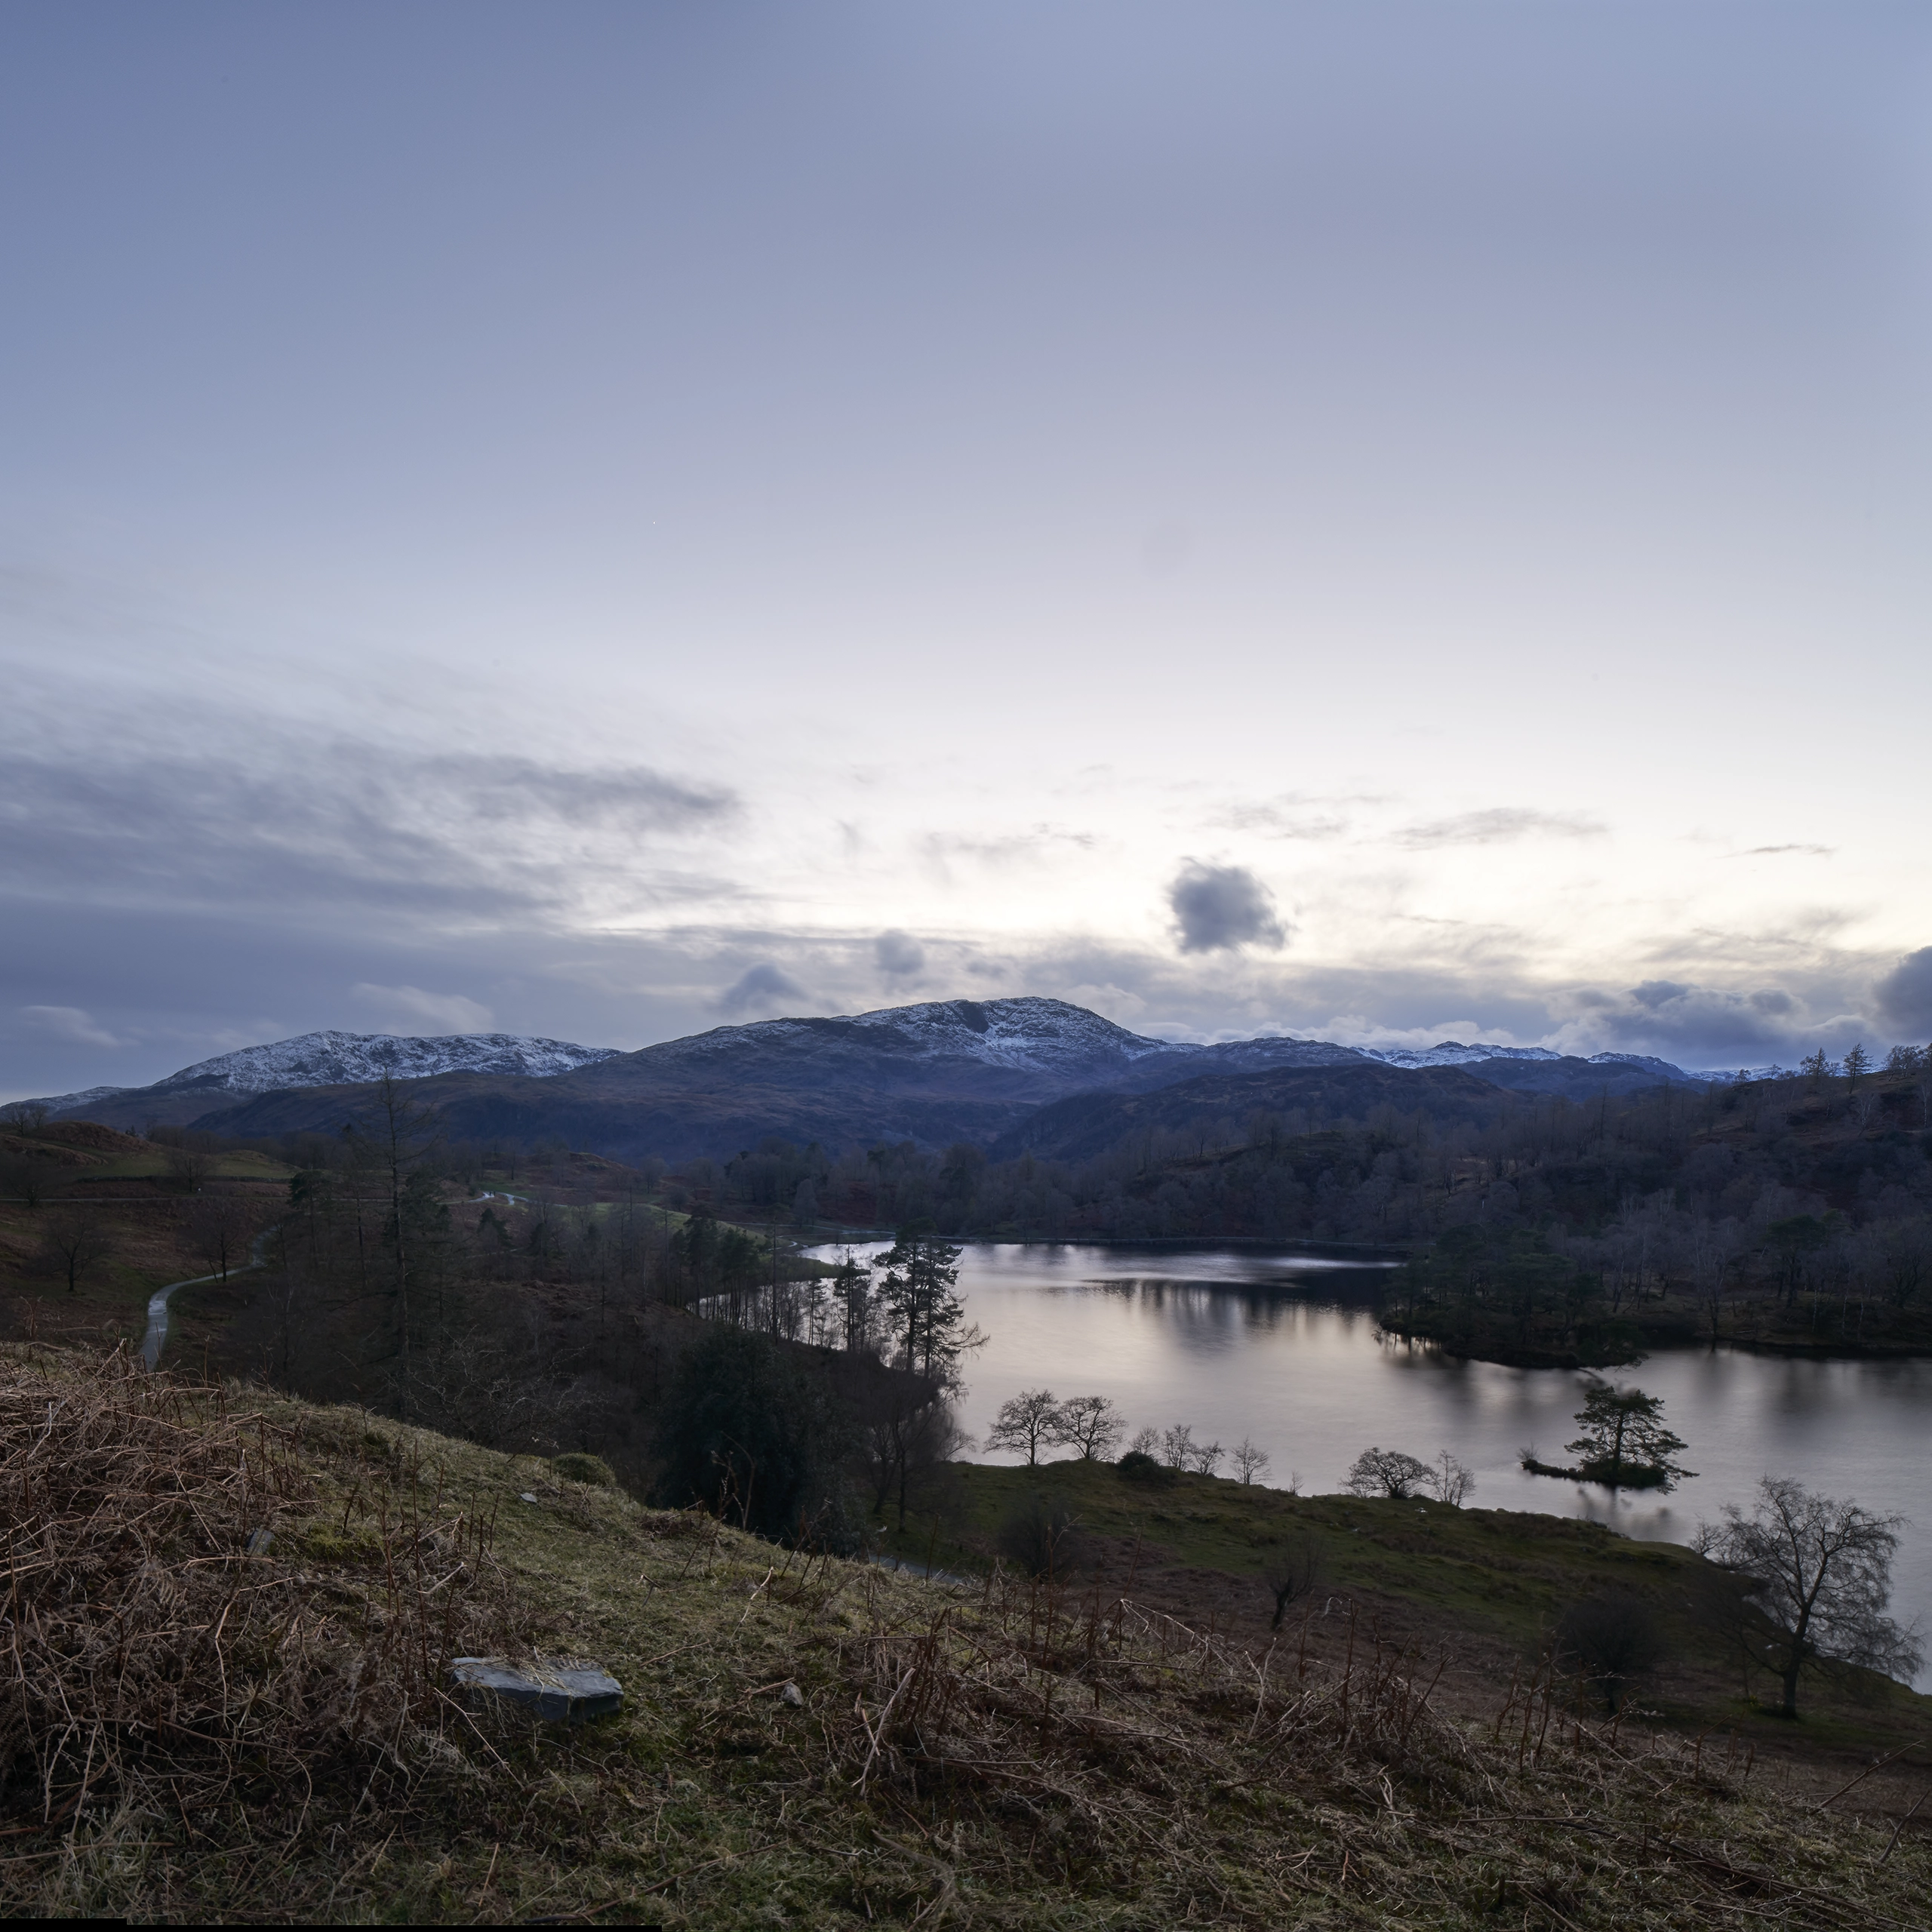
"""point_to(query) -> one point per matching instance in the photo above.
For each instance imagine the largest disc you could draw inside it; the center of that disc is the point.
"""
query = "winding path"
(156, 1335)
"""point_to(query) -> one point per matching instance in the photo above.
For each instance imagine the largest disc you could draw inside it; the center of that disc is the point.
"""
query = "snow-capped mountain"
(336, 1060)
(1453, 1053)
(1049, 1037)
(331, 1060)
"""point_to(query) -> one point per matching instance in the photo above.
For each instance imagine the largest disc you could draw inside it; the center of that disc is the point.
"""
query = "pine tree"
(1624, 1444)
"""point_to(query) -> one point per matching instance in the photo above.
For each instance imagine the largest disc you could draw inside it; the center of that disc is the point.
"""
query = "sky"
(1384, 524)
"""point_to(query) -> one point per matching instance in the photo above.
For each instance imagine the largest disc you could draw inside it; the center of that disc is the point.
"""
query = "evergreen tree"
(1625, 1444)
(918, 1278)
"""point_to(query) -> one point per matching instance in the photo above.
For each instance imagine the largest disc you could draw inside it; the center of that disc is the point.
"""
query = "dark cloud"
(326, 829)
(1496, 826)
(1217, 908)
(764, 988)
(1653, 994)
(1905, 994)
(900, 955)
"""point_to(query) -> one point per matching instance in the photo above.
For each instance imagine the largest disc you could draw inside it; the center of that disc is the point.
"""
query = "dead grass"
(198, 1733)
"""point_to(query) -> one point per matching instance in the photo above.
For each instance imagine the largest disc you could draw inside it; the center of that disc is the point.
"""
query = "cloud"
(1496, 826)
(1218, 908)
(1773, 851)
(900, 955)
(450, 1012)
(70, 1024)
(316, 828)
(763, 988)
(1905, 994)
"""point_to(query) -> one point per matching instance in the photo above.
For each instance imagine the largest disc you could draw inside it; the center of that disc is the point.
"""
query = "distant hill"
(937, 1072)
(1086, 1124)
(319, 1059)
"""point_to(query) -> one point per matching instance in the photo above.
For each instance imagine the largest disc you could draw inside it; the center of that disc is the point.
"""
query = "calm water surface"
(1284, 1348)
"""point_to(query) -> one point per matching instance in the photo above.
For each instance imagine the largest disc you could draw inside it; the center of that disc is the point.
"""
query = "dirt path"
(156, 1335)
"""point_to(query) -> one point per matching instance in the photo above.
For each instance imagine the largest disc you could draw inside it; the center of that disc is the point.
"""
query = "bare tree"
(219, 1225)
(76, 1243)
(1454, 1482)
(1205, 1458)
(1251, 1462)
(190, 1168)
(1091, 1424)
(1821, 1574)
(1028, 1422)
(1388, 1472)
(1177, 1446)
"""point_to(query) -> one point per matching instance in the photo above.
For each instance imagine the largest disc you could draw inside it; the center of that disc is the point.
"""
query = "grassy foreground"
(226, 1697)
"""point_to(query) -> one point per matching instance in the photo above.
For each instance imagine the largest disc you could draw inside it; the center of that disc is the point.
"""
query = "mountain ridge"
(934, 1072)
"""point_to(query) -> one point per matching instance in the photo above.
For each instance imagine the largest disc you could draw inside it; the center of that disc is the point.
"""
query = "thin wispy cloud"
(1498, 825)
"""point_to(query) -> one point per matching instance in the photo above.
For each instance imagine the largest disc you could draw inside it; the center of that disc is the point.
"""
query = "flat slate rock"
(547, 1691)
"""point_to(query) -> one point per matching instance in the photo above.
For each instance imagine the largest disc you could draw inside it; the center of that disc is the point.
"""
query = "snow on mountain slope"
(1049, 1037)
(1453, 1053)
(334, 1059)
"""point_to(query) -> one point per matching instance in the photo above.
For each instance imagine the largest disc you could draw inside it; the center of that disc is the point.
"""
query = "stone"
(557, 1694)
(791, 1695)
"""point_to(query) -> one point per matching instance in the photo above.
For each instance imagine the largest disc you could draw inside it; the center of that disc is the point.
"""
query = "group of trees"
(1397, 1476)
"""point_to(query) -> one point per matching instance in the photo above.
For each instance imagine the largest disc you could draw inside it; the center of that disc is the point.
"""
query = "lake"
(1283, 1347)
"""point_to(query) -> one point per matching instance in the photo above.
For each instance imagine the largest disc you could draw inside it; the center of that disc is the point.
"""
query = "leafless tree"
(190, 1168)
(1205, 1458)
(219, 1225)
(1251, 1462)
(1821, 1575)
(1452, 1481)
(1177, 1446)
(76, 1242)
(1091, 1424)
(1028, 1422)
(1388, 1472)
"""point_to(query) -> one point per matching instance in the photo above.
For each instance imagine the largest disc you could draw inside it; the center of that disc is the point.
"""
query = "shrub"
(1040, 1536)
(1610, 1638)
(1136, 1466)
(592, 1469)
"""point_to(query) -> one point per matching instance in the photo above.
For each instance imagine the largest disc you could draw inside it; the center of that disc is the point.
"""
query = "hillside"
(804, 1740)
(1090, 1124)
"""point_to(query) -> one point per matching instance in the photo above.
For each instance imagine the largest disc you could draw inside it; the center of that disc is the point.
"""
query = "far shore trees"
(1820, 1573)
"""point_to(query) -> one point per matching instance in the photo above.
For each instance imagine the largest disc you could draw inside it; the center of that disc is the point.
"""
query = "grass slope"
(200, 1725)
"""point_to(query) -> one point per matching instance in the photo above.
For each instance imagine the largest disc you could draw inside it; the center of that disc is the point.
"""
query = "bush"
(592, 1469)
(1610, 1638)
(1040, 1536)
(1136, 1466)
(746, 1435)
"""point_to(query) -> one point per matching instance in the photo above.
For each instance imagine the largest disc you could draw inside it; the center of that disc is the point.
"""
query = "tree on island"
(1624, 1445)
(1821, 1576)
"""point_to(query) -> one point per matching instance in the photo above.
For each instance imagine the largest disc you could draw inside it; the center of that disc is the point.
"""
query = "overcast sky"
(1385, 523)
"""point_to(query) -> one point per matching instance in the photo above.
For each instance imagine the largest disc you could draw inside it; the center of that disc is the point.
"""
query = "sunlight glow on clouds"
(1255, 520)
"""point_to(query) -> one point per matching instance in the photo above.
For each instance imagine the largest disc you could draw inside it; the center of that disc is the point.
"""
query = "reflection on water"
(1284, 1348)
